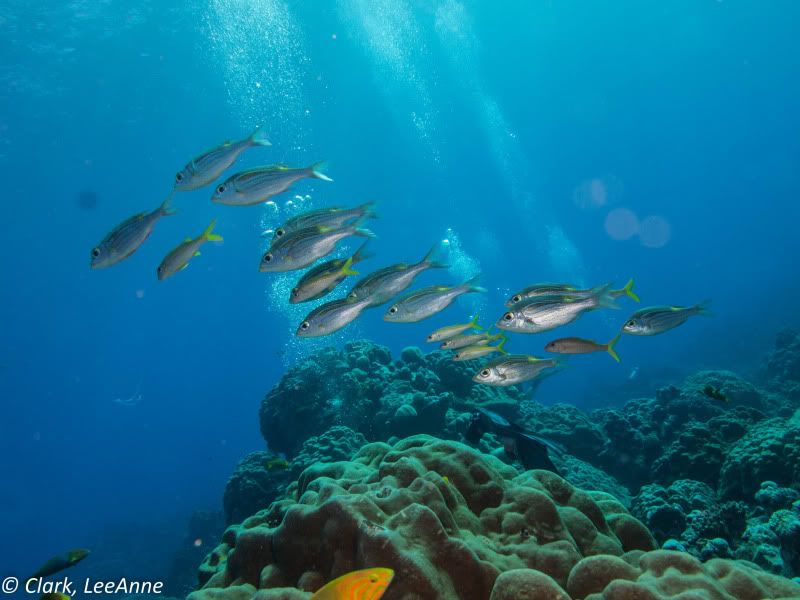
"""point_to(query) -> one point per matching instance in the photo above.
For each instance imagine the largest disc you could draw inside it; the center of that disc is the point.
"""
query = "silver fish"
(658, 319)
(565, 289)
(384, 284)
(330, 317)
(322, 279)
(543, 313)
(178, 259)
(473, 339)
(328, 217)
(428, 301)
(205, 168)
(262, 183)
(514, 369)
(303, 247)
(476, 352)
(451, 331)
(126, 237)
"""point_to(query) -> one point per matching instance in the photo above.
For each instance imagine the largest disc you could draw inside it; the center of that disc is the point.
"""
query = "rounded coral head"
(366, 584)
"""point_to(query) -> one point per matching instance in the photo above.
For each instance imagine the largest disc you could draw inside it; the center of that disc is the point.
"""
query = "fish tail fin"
(628, 291)
(165, 210)
(368, 209)
(561, 363)
(361, 232)
(610, 348)
(703, 308)
(315, 171)
(347, 267)
(361, 253)
(259, 138)
(474, 323)
(471, 285)
(432, 258)
(356, 229)
(211, 237)
(604, 297)
(500, 347)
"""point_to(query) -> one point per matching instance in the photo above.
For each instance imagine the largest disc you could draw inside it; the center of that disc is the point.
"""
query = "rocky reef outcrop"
(450, 520)
(782, 366)
(709, 482)
(363, 388)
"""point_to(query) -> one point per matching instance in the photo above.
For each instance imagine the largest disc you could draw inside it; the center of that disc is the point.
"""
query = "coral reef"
(689, 516)
(769, 451)
(361, 387)
(252, 486)
(782, 366)
(710, 480)
(256, 482)
(455, 523)
(391, 505)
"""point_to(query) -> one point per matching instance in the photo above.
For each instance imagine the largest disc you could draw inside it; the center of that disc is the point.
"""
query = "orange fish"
(367, 584)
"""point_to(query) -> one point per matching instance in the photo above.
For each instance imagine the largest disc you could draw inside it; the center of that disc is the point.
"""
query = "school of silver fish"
(303, 240)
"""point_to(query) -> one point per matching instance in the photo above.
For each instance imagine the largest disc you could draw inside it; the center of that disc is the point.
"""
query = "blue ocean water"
(545, 141)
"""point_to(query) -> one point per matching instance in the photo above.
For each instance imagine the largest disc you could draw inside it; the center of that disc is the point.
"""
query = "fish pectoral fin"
(188, 239)
(184, 266)
(196, 253)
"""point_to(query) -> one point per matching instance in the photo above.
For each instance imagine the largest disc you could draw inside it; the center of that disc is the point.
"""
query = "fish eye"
(178, 177)
(373, 578)
(95, 252)
(268, 257)
(509, 316)
(279, 232)
(295, 291)
(485, 373)
(630, 323)
(305, 325)
(221, 189)
(516, 298)
(160, 268)
(392, 310)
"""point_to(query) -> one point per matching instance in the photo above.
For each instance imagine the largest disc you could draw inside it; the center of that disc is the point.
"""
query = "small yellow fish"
(179, 258)
(445, 333)
(367, 584)
(276, 463)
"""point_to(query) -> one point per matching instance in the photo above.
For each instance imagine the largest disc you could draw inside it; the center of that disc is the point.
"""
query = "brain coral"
(454, 523)
(445, 538)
